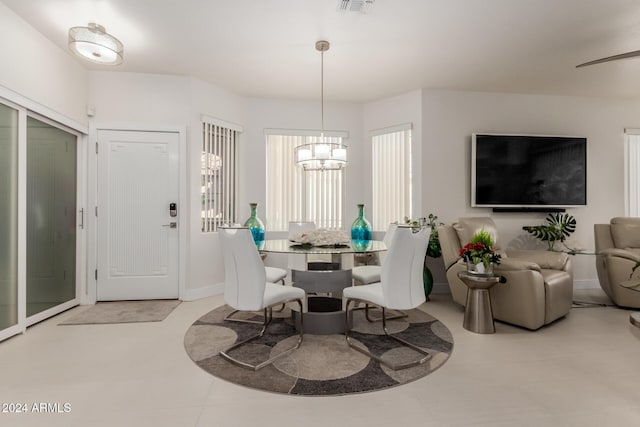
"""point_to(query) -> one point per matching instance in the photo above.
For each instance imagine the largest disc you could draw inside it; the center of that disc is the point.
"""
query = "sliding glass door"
(39, 228)
(51, 216)
(9, 217)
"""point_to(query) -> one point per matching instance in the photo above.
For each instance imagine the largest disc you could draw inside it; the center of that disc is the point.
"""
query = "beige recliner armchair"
(617, 251)
(539, 287)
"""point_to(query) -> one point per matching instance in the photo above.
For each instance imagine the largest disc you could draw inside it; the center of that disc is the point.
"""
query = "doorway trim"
(89, 296)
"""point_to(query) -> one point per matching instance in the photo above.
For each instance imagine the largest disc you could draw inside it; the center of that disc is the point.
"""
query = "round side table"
(478, 315)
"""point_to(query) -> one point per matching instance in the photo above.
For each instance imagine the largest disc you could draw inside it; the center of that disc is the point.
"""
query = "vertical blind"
(218, 173)
(632, 138)
(391, 175)
(296, 195)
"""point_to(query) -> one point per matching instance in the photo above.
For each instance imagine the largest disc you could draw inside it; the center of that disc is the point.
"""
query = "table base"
(478, 315)
(324, 316)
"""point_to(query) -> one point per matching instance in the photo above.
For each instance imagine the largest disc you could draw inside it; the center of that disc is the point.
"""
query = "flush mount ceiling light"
(93, 43)
(322, 154)
(359, 6)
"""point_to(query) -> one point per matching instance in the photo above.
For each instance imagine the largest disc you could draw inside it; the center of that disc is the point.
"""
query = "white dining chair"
(365, 274)
(246, 289)
(400, 288)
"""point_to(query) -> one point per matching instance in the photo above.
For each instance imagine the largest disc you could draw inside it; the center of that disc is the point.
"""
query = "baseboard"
(206, 291)
(586, 284)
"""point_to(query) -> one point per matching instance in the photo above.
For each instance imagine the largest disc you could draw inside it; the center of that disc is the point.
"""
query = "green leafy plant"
(433, 249)
(559, 226)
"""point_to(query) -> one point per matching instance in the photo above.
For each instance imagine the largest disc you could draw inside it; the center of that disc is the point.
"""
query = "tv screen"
(520, 171)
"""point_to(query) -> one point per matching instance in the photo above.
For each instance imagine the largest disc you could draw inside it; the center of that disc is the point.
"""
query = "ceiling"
(266, 48)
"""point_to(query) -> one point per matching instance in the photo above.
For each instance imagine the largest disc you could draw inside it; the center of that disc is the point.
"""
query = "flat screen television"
(528, 171)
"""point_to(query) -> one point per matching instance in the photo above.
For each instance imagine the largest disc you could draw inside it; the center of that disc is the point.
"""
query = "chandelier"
(94, 44)
(322, 154)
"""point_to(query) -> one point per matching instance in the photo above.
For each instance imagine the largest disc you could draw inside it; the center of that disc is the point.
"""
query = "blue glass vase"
(361, 231)
(256, 226)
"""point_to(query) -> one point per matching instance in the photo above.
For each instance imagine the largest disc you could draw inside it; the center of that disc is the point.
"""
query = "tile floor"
(583, 370)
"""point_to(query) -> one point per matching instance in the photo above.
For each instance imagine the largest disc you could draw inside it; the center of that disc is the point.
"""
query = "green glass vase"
(361, 231)
(256, 226)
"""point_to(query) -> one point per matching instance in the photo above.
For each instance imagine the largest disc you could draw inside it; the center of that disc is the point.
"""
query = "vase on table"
(480, 268)
(361, 231)
(256, 226)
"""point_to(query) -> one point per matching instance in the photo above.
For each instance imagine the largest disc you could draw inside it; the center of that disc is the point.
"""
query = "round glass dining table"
(324, 314)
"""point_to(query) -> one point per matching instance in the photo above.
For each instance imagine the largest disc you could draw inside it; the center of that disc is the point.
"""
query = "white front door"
(138, 240)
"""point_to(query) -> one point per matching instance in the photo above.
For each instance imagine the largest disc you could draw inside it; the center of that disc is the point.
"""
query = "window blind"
(391, 175)
(218, 173)
(296, 195)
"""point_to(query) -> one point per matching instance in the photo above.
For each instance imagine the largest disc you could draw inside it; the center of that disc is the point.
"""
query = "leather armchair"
(539, 287)
(617, 251)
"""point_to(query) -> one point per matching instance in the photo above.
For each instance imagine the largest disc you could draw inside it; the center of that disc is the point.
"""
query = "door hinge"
(96, 148)
(96, 274)
(96, 211)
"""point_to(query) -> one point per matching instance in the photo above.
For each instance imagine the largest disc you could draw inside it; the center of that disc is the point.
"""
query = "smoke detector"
(358, 6)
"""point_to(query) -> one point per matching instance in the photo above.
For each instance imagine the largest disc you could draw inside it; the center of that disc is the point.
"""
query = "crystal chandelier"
(322, 154)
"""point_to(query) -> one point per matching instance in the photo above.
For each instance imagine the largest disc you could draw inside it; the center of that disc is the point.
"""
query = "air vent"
(361, 6)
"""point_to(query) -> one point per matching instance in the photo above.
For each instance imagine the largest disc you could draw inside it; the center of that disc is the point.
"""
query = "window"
(632, 169)
(296, 195)
(218, 173)
(391, 175)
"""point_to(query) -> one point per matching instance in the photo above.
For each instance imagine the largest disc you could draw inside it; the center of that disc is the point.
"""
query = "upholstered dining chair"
(246, 289)
(365, 274)
(400, 288)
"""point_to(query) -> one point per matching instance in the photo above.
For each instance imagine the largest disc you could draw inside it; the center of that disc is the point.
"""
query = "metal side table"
(478, 315)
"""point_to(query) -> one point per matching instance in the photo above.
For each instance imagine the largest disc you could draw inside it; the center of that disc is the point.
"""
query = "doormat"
(124, 312)
(324, 365)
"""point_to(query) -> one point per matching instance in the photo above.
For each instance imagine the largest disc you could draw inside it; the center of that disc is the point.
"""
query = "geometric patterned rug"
(324, 364)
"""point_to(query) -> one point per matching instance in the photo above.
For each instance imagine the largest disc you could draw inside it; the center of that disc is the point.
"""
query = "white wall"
(449, 119)
(35, 68)
(147, 100)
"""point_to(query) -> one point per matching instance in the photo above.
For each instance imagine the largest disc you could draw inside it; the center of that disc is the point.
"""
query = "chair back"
(388, 237)
(244, 274)
(401, 274)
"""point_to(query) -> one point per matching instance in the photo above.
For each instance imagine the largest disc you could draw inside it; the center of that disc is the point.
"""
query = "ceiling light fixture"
(95, 44)
(321, 155)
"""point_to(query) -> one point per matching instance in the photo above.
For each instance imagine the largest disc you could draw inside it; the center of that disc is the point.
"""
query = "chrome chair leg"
(401, 315)
(267, 319)
(229, 318)
(395, 367)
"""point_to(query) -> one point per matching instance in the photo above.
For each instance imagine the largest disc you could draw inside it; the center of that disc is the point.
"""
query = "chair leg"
(229, 318)
(395, 367)
(267, 319)
(401, 314)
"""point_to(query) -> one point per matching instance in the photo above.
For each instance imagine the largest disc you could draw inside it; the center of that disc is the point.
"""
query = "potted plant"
(559, 226)
(433, 249)
(480, 253)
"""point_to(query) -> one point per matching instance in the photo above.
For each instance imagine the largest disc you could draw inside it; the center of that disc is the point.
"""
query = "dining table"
(324, 284)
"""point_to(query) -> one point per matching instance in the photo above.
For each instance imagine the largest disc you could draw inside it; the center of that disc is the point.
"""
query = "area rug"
(324, 364)
(124, 312)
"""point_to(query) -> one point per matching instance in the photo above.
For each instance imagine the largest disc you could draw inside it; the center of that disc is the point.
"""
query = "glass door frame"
(27, 108)
(80, 224)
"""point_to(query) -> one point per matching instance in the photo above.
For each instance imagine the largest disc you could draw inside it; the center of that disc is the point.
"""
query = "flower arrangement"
(480, 250)
(322, 237)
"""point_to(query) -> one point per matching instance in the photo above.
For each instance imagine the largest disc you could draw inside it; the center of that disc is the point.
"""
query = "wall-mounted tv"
(528, 171)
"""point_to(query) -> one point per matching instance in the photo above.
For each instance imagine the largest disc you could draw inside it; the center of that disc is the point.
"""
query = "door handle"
(171, 225)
